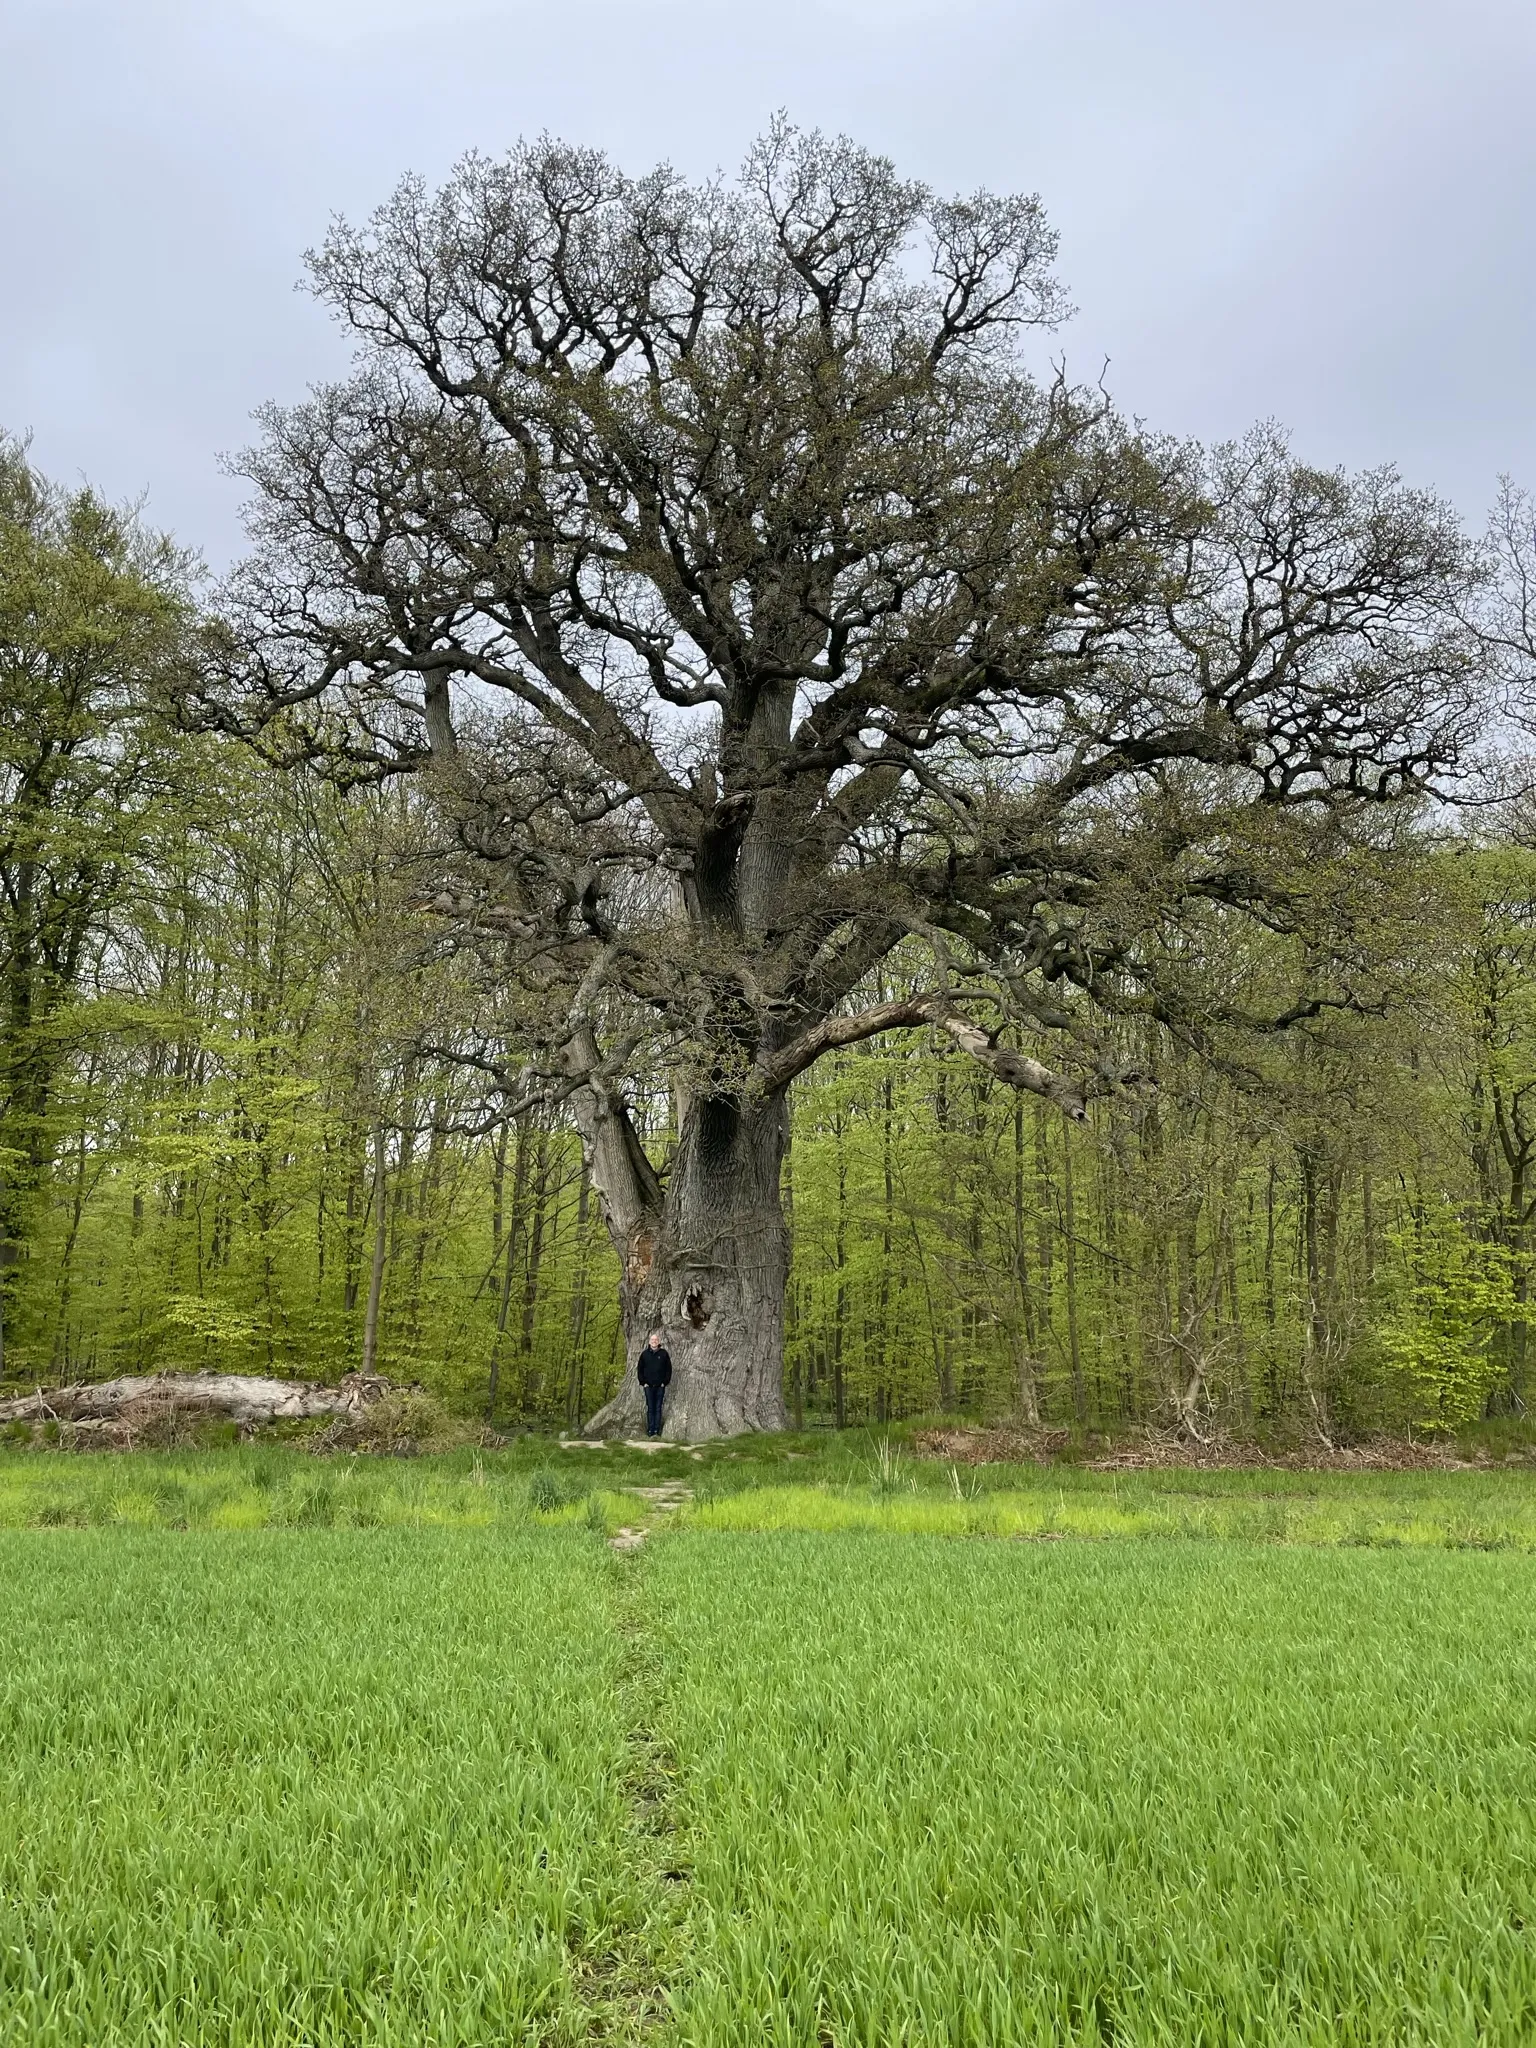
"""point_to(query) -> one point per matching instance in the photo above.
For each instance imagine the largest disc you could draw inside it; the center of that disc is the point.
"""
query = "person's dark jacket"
(655, 1367)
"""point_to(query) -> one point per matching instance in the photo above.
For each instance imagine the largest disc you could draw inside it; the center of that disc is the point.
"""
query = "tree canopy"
(94, 623)
(762, 617)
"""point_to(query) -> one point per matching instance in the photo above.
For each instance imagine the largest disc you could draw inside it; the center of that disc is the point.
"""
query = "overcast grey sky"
(1321, 213)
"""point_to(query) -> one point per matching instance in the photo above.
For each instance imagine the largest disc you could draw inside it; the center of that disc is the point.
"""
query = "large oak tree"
(794, 664)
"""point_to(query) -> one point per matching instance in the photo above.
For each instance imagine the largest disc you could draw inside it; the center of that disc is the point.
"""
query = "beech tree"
(94, 617)
(793, 662)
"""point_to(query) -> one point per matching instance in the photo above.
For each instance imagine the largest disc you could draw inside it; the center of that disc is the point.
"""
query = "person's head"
(656, 1336)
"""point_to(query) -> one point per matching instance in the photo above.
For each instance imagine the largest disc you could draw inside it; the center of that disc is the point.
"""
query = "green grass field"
(767, 1485)
(402, 1757)
(307, 1788)
(1127, 1792)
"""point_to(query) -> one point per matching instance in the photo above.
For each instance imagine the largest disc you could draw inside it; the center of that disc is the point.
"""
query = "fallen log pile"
(143, 1404)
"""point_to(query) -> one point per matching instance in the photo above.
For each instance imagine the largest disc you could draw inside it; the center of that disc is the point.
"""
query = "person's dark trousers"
(653, 1400)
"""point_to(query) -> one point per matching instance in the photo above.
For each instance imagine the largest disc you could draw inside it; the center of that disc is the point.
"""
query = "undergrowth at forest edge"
(850, 1484)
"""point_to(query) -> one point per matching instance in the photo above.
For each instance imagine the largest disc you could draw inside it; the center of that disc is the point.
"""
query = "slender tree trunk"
(1315, 1336)
(351, 1259)
(792, 1348)
(67, 1254)
(887, 1240)
(499, 1340)
(577, 1382)
(1074, 1339)
(498, 1182)
(516, 1227)
(1239, 1332)
(531, 1389)
(1029, 1398)
(840, 1315)
(1045, 1204)
(426, 1208)
(380, 1247)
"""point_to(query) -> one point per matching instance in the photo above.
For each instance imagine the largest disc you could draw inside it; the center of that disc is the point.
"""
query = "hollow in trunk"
(708, 1267)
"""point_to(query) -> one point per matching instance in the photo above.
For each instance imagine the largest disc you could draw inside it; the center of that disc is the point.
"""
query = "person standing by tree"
(655, 1371)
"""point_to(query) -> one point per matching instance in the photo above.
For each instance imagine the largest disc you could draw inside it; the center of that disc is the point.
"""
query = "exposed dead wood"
(239, 1397)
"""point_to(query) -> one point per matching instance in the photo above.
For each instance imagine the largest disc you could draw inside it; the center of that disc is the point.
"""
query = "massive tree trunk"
(707, 1262)
(706, 1258)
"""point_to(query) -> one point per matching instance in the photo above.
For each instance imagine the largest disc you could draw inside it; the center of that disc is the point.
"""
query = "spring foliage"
(255, 1107)
(1334, 1238)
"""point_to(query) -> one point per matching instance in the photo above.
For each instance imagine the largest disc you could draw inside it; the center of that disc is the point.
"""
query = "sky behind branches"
(1323, 214)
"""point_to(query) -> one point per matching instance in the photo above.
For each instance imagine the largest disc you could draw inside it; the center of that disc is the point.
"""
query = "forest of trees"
(264, 1106)
(264, 1147)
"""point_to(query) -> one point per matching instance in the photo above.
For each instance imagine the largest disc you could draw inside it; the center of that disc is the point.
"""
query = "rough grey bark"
(709, 1266)
(770, 634)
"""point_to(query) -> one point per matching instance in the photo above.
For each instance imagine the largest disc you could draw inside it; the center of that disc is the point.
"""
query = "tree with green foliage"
(283, 1095)
(95, 620)
(766, 627)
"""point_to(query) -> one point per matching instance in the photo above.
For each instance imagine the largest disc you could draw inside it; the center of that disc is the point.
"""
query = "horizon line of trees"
(252, 1119)
(254, 1114)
